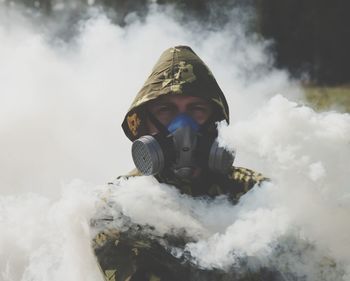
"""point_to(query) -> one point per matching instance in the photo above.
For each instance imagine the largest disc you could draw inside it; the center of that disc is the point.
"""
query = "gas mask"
(180, 147)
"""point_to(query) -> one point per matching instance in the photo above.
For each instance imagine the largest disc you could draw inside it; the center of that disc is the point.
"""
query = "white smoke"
(61, 107)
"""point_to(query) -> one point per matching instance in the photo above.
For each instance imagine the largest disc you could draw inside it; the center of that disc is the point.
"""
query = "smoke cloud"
(61, 106)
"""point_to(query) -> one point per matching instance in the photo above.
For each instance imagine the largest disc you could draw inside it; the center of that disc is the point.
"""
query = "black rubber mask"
(182, 146)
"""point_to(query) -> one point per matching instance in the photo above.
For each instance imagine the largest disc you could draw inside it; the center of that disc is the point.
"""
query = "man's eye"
(164, 109)
(199, 108)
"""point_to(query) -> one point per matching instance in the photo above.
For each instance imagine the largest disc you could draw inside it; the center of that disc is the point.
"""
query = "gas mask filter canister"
(176, 147)
(147, 155)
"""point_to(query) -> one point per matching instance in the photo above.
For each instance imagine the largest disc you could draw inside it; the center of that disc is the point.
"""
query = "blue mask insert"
(182, 120)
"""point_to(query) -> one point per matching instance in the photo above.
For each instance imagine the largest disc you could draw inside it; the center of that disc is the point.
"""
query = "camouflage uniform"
(132, 255)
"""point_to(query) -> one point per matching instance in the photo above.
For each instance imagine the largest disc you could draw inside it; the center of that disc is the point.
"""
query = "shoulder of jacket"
(245, 175)
(133, 173)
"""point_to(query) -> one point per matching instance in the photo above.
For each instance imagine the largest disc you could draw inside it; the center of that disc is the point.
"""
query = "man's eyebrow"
(199, 103)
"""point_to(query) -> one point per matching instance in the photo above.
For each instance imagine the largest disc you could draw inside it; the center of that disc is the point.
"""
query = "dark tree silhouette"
(311, 36)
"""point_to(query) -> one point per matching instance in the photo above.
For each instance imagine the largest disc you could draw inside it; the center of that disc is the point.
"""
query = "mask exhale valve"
(185, 142)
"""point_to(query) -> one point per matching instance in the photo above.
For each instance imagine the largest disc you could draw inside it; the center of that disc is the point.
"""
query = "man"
(172, 123)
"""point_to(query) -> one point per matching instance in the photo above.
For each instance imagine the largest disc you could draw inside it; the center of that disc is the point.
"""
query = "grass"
(328, 98)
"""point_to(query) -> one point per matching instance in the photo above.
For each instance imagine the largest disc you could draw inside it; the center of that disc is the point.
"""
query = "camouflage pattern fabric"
(136, 255)
(133, 256)
(234, 184)
(179, 71)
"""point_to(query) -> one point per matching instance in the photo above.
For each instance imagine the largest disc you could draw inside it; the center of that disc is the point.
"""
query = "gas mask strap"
(160, 127)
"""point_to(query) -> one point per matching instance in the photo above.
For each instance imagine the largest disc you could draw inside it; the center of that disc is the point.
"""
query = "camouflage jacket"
(136, 254)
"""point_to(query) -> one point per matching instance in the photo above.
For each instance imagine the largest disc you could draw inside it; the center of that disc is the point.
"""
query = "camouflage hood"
(178, 71)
